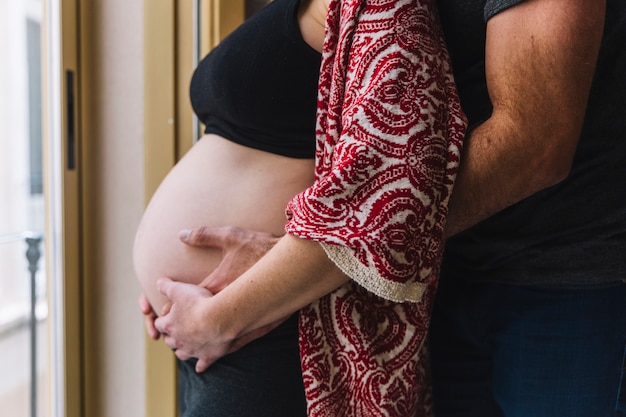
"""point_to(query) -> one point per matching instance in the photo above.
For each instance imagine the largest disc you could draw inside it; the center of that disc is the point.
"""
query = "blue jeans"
(510, 351)
(262, 379)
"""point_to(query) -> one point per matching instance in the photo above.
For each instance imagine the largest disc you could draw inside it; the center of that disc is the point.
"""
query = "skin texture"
(242, 248)
(539, 62)
(291, 275)
(311, 19)
(253, 188)
(540, 59)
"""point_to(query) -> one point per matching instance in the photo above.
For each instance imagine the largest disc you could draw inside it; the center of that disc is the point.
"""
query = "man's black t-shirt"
(571, 234)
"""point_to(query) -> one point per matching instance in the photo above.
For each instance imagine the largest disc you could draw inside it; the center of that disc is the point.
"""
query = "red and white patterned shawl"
(389, 135)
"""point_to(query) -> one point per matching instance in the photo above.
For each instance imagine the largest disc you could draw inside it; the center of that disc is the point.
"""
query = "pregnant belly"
(217, 183)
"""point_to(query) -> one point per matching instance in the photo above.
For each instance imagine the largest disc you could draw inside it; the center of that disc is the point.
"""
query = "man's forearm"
(493, 175)
(539, 63)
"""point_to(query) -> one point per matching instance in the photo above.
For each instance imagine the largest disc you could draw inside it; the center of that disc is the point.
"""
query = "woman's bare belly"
(217, 183)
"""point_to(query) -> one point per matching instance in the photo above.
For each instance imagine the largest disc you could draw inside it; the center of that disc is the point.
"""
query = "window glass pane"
(33, 46)
(23, 308)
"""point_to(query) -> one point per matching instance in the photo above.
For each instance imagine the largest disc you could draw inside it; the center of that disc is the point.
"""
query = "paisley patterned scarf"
(389, 135)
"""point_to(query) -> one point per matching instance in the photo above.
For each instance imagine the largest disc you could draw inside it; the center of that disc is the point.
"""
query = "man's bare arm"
(241, 248)
(540, 60)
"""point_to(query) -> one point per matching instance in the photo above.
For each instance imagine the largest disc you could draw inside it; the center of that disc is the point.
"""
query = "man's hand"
(241, 249)
(191, 332)
(150, 317)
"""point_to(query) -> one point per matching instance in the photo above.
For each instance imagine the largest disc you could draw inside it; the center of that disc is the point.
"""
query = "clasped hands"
(186, 322)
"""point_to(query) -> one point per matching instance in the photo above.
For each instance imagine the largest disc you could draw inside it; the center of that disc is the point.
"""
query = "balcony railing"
(32, 254)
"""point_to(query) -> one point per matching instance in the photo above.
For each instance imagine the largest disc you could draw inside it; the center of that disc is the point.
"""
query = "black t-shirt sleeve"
(493, 7)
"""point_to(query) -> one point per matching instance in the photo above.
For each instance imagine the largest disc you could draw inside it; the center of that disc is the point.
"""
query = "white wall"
(113, 137)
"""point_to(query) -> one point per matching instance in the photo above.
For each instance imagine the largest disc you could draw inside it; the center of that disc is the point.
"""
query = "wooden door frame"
(170, 54)
(62, 182)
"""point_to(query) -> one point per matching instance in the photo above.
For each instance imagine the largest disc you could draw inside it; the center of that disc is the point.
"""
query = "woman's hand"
(149, 316)
(197, 324)
(240, 248)
(184, 325)
(189, 328)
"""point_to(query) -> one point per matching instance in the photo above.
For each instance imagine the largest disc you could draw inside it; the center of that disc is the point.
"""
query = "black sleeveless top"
(258, 87)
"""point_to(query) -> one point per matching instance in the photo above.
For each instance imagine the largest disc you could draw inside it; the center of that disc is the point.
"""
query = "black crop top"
(258, 87)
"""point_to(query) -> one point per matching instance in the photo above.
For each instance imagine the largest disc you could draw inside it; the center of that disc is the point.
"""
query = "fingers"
(223, 237)
(203, 364)
(160, 323)
(180, 354)
(150, 316)
(163, 325)
(208, 237)
(166, 308)
(179, 291)
(167, 287)
(144, 304)
(178, 350)
(151, 328)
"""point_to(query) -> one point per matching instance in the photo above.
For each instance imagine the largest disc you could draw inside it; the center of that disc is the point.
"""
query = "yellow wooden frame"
(71, 199)
(159, 157)
(170, 47)
(169, 128)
